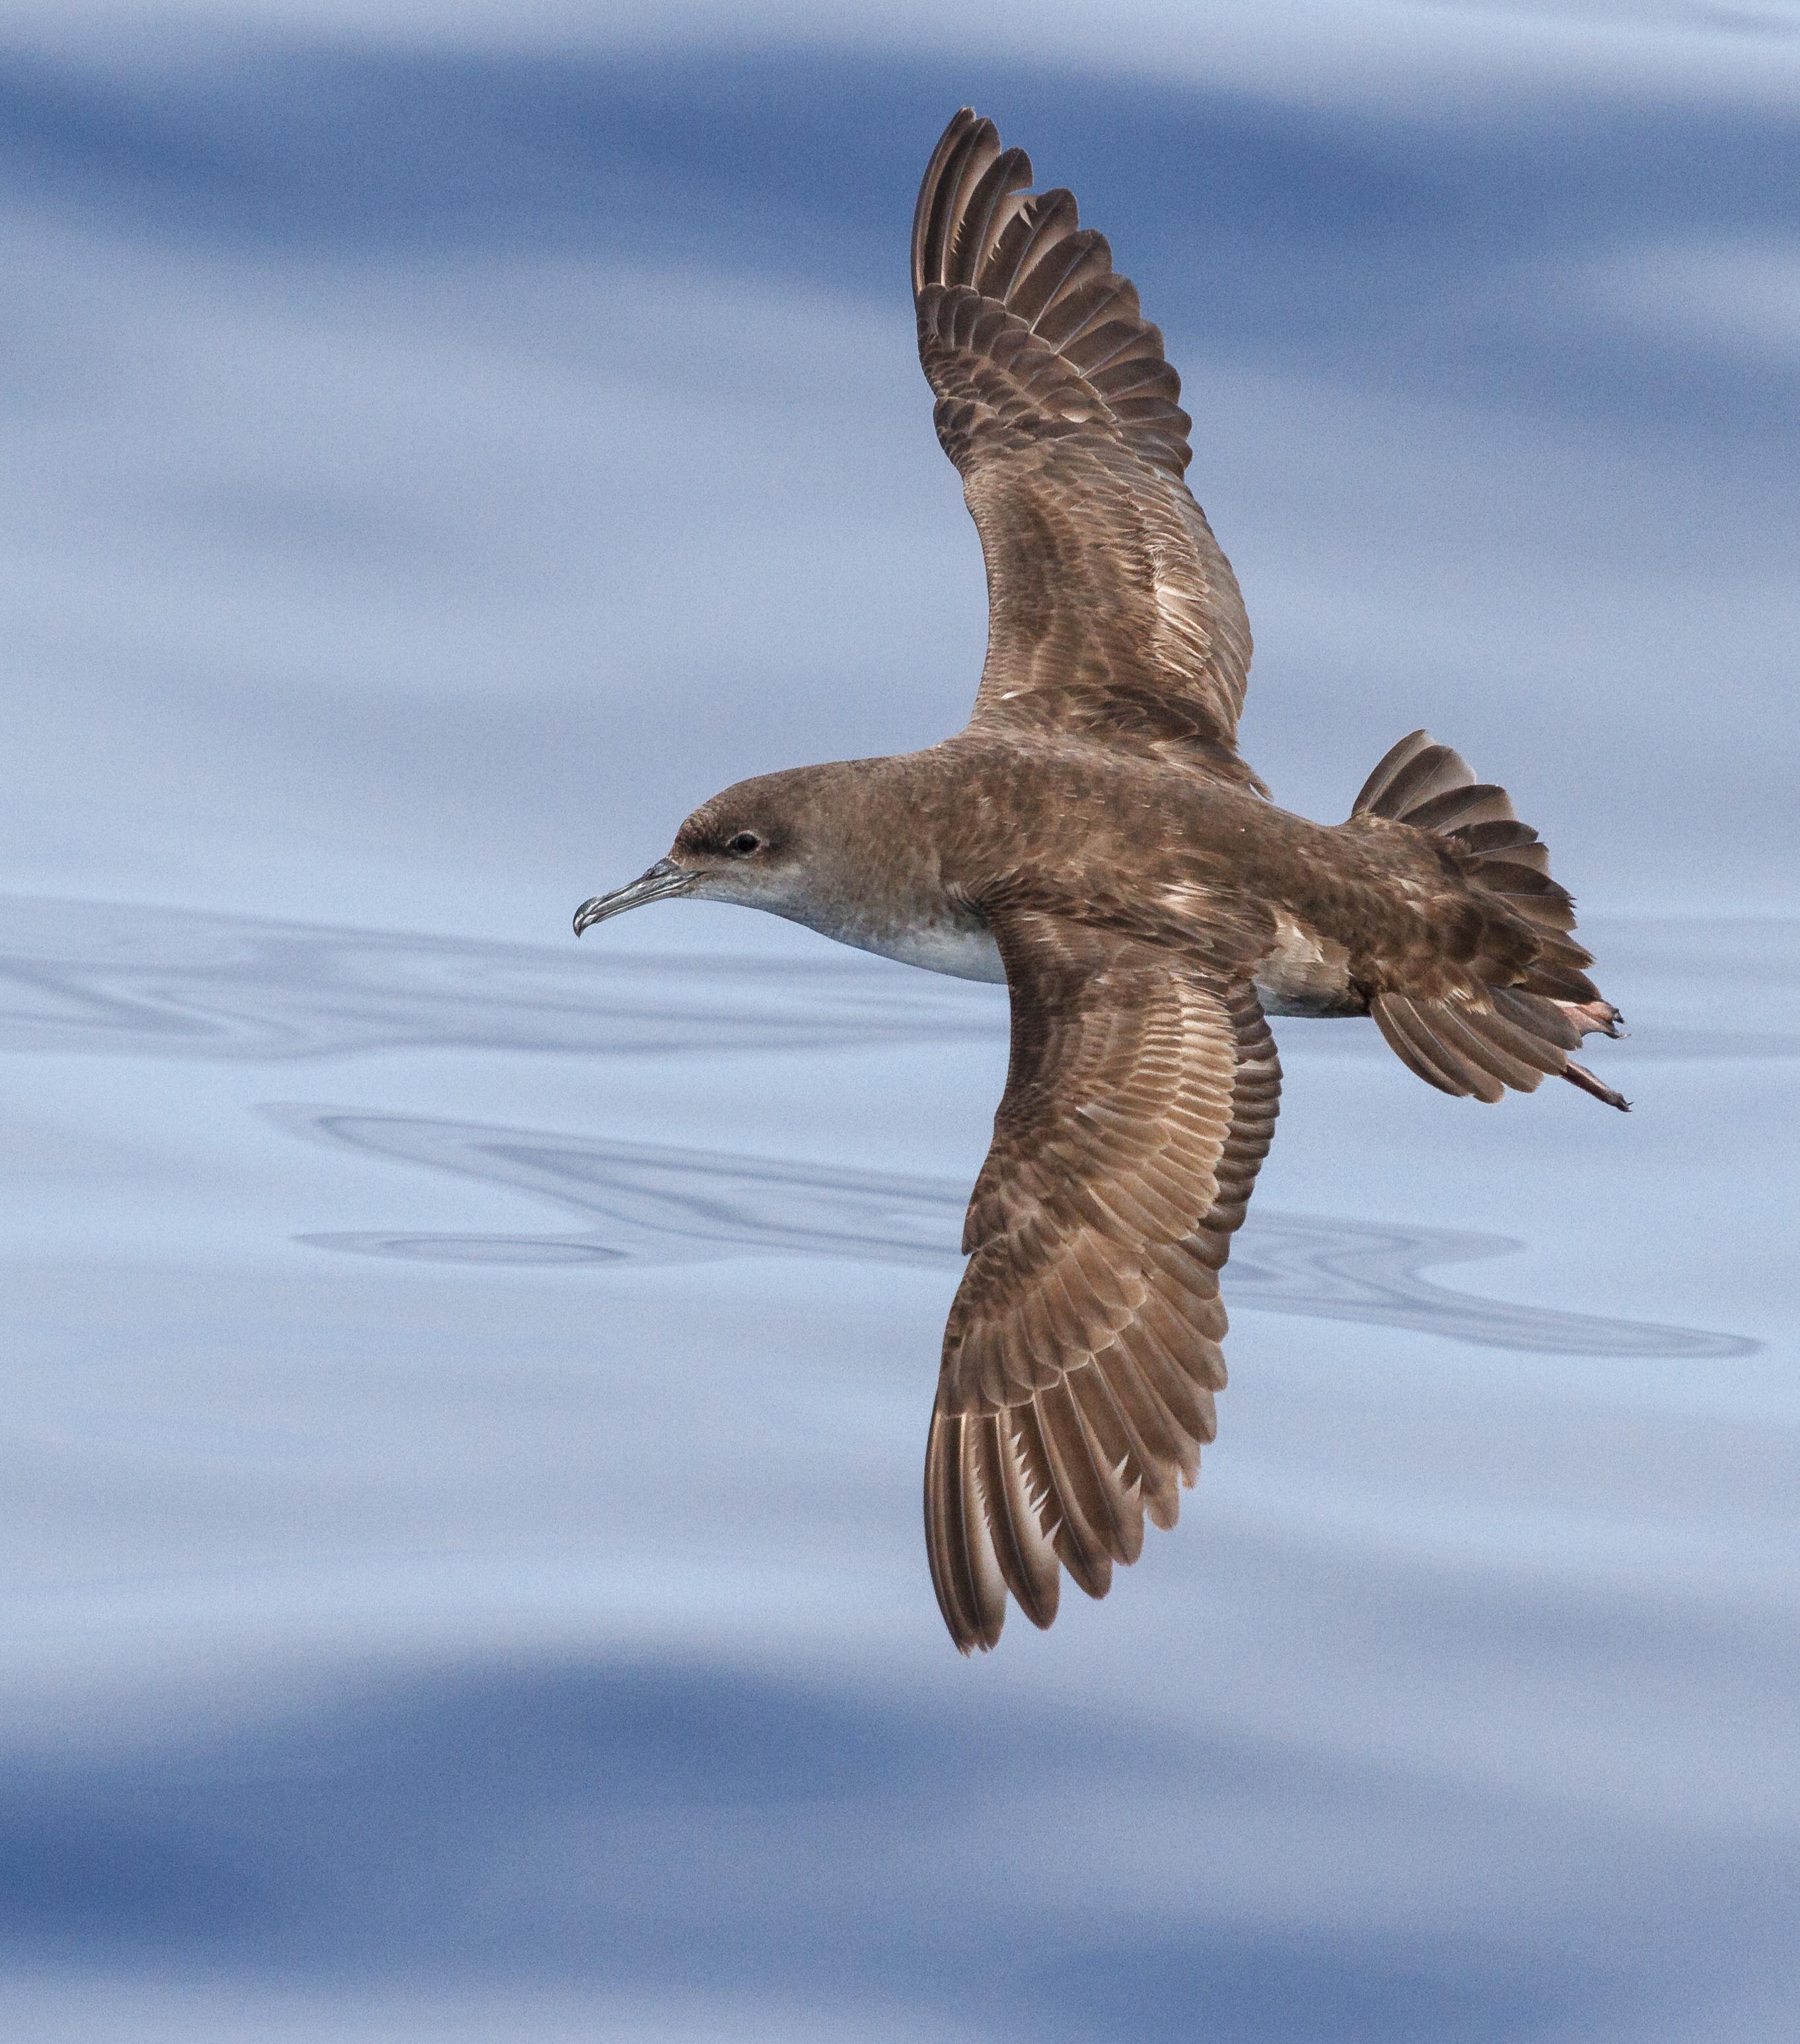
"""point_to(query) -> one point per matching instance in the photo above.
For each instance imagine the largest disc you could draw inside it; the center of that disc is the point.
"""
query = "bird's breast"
(937, 936)
(964, 951)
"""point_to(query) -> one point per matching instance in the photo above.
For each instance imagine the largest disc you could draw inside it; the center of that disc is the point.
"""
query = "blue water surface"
(467, 1392)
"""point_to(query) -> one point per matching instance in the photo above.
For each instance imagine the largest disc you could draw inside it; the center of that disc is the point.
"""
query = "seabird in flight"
(1093, 839)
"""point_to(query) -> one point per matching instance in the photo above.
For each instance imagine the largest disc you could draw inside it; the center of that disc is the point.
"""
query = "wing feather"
(1112, 612)
(1082, 1356)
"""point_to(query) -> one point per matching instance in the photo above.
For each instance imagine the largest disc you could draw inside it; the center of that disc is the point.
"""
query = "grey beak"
(664, 879)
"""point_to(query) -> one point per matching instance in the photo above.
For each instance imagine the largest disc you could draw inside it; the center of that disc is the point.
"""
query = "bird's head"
(758, 844)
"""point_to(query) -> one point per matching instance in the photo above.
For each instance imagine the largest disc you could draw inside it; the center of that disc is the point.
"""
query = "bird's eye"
(745, 843)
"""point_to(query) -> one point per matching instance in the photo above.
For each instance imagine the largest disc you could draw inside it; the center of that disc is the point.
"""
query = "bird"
(1094, 840)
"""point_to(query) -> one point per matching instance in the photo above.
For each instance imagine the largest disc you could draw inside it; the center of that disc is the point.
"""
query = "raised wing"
(1112, 611)
(1083, 1349)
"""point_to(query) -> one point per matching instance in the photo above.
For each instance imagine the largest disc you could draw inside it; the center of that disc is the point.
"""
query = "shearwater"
(1093, 839)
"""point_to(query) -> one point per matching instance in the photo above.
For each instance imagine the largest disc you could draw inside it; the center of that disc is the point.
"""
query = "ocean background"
(467, 1392)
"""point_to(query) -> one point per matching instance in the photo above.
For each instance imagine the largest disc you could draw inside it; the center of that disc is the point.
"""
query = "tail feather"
(1533, 1016)
(1485, 1041)
(1519, 842)
(1530, 893)
(1375, 789)
(1462, 1049)
(1458, 808)
(1560, 977)
(1499, 1052)
(1416, 769)
(1411, 1039)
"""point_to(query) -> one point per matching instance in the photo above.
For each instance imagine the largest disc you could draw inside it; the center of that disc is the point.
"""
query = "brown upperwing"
(1083, 1351)
(1111, 610)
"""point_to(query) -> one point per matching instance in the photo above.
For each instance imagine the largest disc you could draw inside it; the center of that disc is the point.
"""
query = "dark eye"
(744, 844)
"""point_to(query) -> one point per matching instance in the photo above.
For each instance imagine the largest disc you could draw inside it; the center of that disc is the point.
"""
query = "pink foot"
(1580, 1075)
(1589, 1017)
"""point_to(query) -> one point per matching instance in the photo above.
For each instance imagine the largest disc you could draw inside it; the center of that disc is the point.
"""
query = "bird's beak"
(665, 878)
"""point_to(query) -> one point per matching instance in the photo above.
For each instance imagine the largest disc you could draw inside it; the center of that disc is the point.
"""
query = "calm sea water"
(466, 1393)
(463, 1453)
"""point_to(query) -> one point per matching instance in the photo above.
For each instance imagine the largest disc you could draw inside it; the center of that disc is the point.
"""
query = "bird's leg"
(1580, 1075)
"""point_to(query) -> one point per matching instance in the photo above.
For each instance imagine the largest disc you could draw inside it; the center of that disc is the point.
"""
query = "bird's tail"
(1512, 1035)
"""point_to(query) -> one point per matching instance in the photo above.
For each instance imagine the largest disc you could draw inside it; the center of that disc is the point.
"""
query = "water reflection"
(137, 982)
(657, 1204)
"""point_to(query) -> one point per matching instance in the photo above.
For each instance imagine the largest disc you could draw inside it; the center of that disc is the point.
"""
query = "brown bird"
(1093, 839)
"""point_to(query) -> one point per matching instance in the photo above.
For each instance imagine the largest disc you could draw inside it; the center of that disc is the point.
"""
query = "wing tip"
(958, 1546)
(928, 222)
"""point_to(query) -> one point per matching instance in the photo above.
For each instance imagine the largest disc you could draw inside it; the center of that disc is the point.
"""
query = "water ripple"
(159, 982)
(657, 1204)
